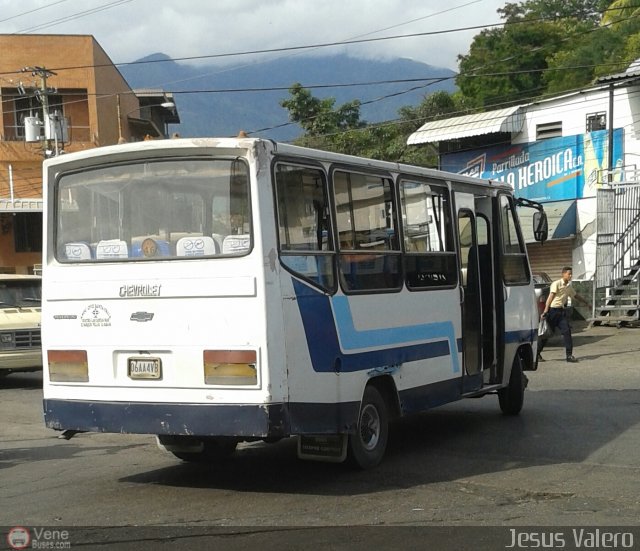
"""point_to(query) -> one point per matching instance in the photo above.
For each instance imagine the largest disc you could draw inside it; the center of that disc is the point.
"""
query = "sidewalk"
(608, 358)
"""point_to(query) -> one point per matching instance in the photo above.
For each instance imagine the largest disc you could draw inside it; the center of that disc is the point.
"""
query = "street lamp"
(164, 104)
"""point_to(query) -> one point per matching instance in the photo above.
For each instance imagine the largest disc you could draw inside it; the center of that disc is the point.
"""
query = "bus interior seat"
(112, 248)
(234, 244)
(196, 246)
(77, 251)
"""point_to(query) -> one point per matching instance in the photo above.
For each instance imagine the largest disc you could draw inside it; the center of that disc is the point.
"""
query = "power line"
(292, 48)
(579, 106)
(31, 11)
(449, 115)
(282, 49)
(428, 83)
(473, 74)
(74, 16)
(232, 68)
(83, 96)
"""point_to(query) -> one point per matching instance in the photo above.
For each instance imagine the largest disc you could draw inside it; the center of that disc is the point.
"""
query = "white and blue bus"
(214, 291)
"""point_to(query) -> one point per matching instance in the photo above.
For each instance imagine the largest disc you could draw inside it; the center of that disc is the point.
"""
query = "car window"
(541, 277)
(19, 293)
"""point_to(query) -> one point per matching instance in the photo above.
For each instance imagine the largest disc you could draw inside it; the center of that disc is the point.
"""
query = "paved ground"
(571, 459)
(609, 358)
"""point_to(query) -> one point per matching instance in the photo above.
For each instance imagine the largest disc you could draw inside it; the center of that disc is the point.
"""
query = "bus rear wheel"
(511, 397)
(368, 444)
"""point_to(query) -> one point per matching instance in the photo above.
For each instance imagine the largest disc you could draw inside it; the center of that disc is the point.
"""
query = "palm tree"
(620, 11)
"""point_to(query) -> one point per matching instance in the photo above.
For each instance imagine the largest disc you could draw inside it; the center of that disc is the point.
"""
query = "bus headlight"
(68, 366)
(230, 367)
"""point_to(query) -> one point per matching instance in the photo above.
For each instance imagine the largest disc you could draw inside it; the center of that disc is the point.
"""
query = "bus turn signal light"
(68, 366)
(230, 367)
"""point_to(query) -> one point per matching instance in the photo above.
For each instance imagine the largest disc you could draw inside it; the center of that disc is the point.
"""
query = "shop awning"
(508, 120)
(561, 217)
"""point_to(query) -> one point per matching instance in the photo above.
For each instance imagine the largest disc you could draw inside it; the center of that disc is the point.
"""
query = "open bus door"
(470, 293)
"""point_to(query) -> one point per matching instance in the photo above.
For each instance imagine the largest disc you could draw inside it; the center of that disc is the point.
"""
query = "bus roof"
(275, 147)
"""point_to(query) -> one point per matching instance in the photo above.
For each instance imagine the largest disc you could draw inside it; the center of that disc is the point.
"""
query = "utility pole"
(42, 93)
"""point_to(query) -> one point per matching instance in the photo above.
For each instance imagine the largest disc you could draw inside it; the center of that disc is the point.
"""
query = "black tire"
(213, 450)
(367, 446)
(511, 397)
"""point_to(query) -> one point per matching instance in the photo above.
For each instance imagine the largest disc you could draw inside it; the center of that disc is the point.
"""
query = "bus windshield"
(154, 209)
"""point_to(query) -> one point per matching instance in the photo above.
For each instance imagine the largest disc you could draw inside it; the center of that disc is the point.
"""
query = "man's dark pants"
(557, 318)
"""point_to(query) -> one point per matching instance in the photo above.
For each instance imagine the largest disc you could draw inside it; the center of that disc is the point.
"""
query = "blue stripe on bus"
(319, 320)
(525, 335)
(352, 339)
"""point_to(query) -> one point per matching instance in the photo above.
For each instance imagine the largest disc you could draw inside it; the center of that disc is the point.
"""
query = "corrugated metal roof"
(509, 119)
(631, 75)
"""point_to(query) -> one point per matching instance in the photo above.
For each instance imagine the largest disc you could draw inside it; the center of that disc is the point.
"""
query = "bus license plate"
(145, 368)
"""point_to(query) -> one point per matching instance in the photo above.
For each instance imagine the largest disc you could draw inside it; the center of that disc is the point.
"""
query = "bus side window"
(514, 255)
(304, 227)
(430, 258)
(369, 257)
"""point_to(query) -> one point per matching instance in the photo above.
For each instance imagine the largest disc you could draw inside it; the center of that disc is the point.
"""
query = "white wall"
(572, 111)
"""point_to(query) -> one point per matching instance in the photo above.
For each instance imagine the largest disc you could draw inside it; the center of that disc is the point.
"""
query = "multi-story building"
(577, 153)
(69, 80)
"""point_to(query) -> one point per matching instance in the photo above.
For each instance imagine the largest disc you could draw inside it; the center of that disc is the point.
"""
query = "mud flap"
(323, 447)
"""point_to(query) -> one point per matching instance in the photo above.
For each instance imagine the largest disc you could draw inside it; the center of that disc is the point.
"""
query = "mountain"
(204, 112)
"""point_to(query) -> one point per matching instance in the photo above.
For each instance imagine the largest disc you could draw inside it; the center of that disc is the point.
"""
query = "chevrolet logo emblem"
(141, 316)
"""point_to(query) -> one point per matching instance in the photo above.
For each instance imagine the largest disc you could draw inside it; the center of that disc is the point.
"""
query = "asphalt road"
(572, 458)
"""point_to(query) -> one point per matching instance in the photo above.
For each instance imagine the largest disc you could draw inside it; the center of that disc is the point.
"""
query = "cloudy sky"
(131, 29)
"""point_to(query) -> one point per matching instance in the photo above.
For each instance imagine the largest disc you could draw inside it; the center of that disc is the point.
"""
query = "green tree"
(509, 64)
(620, 11)
(580, 65)
(342, 131)
(587, 11)
(318, 116)
(621, 20)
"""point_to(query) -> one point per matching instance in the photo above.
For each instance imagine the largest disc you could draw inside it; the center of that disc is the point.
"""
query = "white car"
(20, 343)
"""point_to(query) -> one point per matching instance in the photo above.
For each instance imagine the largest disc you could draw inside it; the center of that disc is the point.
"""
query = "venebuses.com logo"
(20, 537)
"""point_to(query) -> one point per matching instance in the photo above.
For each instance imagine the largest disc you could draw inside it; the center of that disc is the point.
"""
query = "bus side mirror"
(540, 226)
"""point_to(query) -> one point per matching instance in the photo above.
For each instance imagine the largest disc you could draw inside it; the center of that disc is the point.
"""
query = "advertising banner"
(549, 170)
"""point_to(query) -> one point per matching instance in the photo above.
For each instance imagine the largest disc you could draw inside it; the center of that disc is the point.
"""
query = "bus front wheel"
(368, 444)
(511, 397)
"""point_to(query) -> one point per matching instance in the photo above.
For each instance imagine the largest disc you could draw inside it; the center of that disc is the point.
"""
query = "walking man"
(556, 313)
